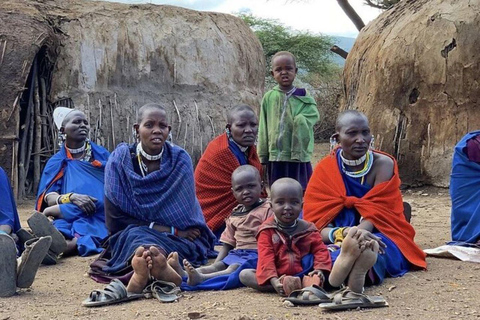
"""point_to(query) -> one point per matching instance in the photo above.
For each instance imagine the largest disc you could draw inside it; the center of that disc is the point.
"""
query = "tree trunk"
(38, 138)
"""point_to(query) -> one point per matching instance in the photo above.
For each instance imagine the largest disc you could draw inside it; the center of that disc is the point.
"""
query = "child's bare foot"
(365, 261)
(173, 261)
(141, 263)
(161, 270)
(194, 277)
(349, 253)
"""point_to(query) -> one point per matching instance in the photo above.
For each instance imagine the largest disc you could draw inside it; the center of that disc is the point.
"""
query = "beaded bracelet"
(330, 234)
(152, 224)
(172, 230)
(65, 198)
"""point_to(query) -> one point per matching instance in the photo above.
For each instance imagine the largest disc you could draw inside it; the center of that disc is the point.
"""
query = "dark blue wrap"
(465, 194)
(392, 263)
(8, 209)
(166, 197)
(83, 178)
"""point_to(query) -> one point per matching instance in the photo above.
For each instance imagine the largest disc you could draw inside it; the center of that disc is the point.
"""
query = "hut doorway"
(37, 132)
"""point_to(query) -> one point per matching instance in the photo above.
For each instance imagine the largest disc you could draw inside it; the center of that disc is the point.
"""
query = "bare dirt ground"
(448, 290)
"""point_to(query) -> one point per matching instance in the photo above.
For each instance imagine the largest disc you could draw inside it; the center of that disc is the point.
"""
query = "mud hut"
(108, 59)
(415, 72)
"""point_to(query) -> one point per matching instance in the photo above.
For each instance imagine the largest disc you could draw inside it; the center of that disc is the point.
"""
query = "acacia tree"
(381, 4)
(311, 50)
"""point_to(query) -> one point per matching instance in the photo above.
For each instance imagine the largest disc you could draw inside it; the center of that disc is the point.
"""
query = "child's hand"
(277, 286)
(320, 274)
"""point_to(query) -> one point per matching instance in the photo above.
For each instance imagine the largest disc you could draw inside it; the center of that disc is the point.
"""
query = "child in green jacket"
(287, 117)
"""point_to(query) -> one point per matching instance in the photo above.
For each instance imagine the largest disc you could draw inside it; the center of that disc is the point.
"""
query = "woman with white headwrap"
(71, 190)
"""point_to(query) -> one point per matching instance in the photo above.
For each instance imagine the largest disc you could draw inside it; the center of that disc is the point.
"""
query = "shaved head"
(282, 54)
(246, 168)
(345, 117)
(146, 107)
(294, 187)
(237, 109)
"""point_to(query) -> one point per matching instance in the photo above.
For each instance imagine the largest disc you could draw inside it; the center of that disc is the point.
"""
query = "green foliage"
(381, 4)
(311, 51)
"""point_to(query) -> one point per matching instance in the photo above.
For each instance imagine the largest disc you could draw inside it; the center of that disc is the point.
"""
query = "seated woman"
(234, 148)
(465, 190)
(15, 273)
(354, 198)
(151, 208)
(71, 189)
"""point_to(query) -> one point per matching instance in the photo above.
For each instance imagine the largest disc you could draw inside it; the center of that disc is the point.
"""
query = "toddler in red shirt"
(283, 240)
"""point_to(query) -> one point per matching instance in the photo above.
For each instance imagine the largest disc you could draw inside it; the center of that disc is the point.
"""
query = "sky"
(316, 16)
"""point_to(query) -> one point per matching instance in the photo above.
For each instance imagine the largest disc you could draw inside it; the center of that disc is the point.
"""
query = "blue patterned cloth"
(83, 178)
(166, 197)
(392, 263)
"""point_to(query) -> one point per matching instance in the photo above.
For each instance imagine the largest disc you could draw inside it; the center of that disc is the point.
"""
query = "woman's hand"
(190, 234)
(84, 202)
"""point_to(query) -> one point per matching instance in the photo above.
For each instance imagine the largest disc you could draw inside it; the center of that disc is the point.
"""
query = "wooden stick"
(179, 119)
(342, 53)
(213, 126)
(23, 143)
(3, 51)
(37, 171)
(185, 138)
(113, 126)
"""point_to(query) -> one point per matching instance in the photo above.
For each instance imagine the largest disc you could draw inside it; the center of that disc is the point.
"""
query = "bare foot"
(349, 253)
(141, 263)
(173, 261)
(194, 277)
(365, 261)
(161, 270)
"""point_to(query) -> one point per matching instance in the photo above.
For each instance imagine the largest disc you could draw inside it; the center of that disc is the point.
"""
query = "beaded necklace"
(363, 172)
(142, 165)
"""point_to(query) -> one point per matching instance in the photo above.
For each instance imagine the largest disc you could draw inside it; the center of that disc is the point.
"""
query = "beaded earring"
(227, 131)
(333, 143)
(61, 137)
(372, 143)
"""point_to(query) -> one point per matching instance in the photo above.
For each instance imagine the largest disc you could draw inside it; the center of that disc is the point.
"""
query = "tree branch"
(351, 14)
(342, 53)
(374, 5)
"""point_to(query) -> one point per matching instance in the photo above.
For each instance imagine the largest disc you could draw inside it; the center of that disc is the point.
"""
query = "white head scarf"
(59, 114)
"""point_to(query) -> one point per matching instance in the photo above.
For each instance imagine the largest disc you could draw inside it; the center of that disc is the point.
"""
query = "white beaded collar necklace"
(353, 163)
(78, 150)
(148, 156)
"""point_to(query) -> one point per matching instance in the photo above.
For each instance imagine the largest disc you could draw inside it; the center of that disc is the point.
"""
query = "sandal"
(164, 291)
(8, 266)
(312, 295)
(115, 292)
(30, 260)
(23, 236)
(352, 300)
(42, 227)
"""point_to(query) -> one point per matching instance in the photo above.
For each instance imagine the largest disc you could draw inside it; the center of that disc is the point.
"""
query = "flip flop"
(290, 284)
(352, 300)
(312, 295)
(24, 236)
(32, 256)
(115, 292)
(42, 227)
(164, 291)
(8, 266)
